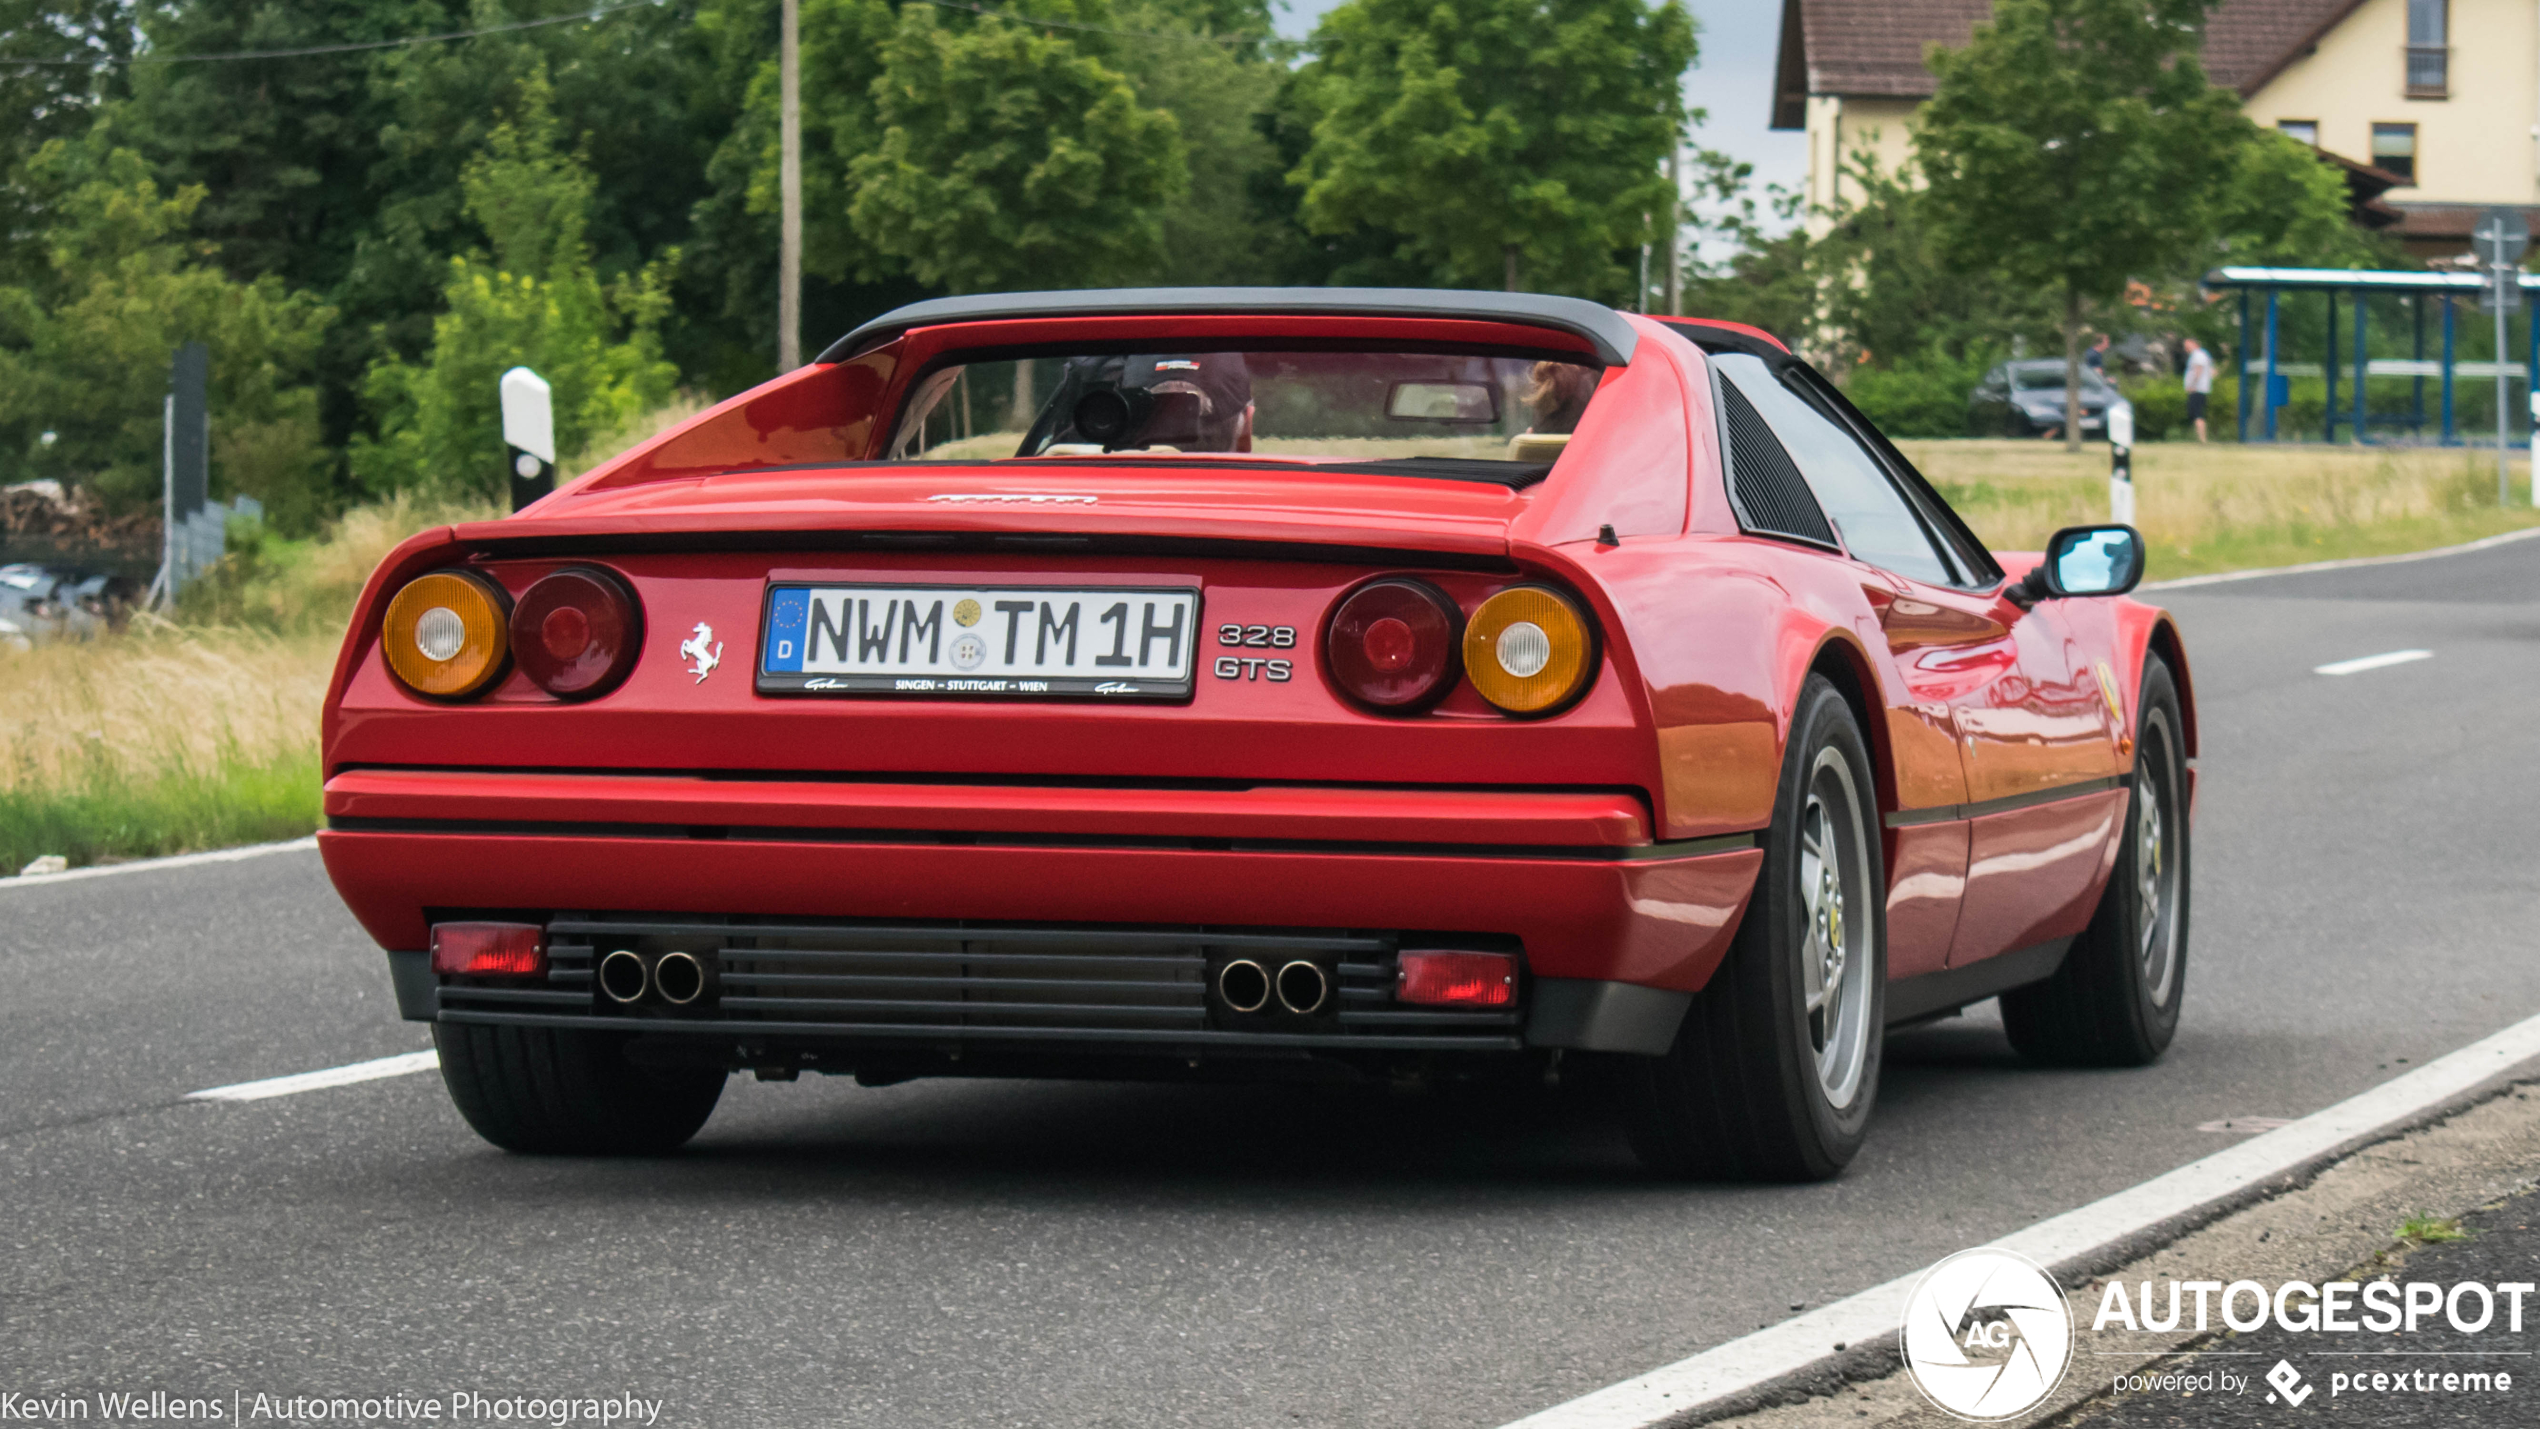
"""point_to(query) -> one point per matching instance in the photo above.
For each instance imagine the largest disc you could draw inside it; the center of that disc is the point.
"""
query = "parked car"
(40, 604)
(1228, 683)
(2026, 399)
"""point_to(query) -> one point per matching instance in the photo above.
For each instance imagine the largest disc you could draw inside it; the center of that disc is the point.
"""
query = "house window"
(2306, 130)
(2394, 151)
(2429, 48)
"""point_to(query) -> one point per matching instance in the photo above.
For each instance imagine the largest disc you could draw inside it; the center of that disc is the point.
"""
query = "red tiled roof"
(1875, 47)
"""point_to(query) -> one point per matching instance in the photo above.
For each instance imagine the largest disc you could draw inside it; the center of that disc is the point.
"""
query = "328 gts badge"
(1256, 667)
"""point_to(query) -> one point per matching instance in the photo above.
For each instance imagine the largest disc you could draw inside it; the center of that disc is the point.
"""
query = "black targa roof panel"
(1606, 330)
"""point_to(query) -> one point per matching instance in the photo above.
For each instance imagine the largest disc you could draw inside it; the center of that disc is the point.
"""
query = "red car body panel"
(1613, 841)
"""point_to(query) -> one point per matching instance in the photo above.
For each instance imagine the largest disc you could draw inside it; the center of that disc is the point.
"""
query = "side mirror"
(2084, 560)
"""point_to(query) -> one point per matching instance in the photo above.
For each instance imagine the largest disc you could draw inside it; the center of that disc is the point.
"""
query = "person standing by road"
(2096, 359)
(2200, 384)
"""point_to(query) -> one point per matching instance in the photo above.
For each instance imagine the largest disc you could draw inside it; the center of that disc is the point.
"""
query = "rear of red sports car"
(827, 733)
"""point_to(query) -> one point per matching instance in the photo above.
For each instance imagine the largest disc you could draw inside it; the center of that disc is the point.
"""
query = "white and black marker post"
(529, 435)
(2501, 236)
(2121, 462)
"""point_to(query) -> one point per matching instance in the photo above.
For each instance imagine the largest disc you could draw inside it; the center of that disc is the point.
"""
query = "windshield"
(1349, 406)
(2051, 379)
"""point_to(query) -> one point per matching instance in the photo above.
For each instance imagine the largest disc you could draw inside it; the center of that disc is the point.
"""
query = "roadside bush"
(2160, 407)
(1917, 397)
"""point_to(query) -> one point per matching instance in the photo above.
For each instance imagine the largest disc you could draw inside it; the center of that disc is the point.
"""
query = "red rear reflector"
(576, 632)
(1457, 979)
(1392, 645)
(489, 949)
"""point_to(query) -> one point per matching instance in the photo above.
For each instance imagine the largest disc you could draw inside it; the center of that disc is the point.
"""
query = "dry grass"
(158, 741)
(2230, 507)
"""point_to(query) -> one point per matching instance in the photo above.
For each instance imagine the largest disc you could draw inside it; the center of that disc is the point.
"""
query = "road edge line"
(2483, 543)
(402, 1064)
(1809, 1352)
(153, 865)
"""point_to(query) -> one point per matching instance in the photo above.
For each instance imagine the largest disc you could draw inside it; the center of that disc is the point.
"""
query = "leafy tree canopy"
(1495, 142)
(84, 348)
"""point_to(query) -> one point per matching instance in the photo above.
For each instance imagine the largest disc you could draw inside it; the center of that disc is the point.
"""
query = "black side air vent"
(1772, 498)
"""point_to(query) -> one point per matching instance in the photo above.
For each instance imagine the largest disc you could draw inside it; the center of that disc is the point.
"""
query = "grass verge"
(162, 740)
(2204, 509)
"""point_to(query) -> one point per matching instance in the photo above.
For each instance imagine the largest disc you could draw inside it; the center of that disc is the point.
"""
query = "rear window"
(1479, 416)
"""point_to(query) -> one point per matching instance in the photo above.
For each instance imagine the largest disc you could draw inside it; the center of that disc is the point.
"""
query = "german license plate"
(1014, 642)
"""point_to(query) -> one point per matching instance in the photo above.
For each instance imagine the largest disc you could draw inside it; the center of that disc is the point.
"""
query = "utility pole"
(789, 189)
(1675, 236)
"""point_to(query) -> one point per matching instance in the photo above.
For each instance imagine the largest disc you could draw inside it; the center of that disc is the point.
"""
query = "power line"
(597, 13)
(996, 14)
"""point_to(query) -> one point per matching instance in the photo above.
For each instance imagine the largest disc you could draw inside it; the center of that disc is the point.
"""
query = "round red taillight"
(576, 631)
(1392, 645)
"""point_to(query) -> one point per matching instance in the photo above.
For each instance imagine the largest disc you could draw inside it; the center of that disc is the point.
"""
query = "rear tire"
(1773, 1074)
(568, 1092)
(2115, 1001)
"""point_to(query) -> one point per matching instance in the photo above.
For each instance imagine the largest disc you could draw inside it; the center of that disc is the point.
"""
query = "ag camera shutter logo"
(1987, 1335)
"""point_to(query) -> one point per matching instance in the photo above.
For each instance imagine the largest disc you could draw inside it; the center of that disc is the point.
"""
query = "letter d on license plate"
(1013, 642)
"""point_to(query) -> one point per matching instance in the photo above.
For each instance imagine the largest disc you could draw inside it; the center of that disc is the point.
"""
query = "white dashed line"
(2362, 663)
(398, 1066)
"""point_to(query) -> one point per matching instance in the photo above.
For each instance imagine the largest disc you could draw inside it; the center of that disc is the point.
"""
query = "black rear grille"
(958, 982)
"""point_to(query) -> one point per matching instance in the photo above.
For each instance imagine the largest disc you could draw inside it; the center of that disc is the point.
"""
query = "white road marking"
(2352, 562)
(152, 865)
(2088, 1237)
(2362, 663)
(402, 1065)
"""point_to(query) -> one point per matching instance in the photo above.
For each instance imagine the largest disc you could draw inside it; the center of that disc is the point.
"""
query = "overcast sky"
(1734, 81)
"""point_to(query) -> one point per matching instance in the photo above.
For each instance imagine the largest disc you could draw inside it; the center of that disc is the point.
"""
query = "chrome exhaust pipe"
(679, 978)
(623, 976)
(1303, 987)
(1244, 986)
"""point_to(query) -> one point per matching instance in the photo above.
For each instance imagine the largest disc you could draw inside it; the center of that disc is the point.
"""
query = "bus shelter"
(2360, 333)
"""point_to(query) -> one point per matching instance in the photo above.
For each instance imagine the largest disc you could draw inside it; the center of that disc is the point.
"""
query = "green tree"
(45, 101)
(1217, 79)
(1009, 155)
(84, 349)
(535, 300)
(2073, 145)
(2286, 205)
(340, 172)
(1496, 142)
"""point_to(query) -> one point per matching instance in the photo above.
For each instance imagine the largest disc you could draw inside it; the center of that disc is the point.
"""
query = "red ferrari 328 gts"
(1261, 683)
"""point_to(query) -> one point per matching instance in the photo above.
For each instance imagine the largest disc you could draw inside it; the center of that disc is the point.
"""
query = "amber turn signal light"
(1528, 650)
(447, 633)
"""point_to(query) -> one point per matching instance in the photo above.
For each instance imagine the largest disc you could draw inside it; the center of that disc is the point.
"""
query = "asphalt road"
(993, 1253)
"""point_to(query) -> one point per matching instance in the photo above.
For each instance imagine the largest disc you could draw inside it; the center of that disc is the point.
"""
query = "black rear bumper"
(834, 993)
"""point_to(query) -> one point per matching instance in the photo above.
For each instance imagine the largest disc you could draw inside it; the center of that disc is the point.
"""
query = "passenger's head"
(1558, 392)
